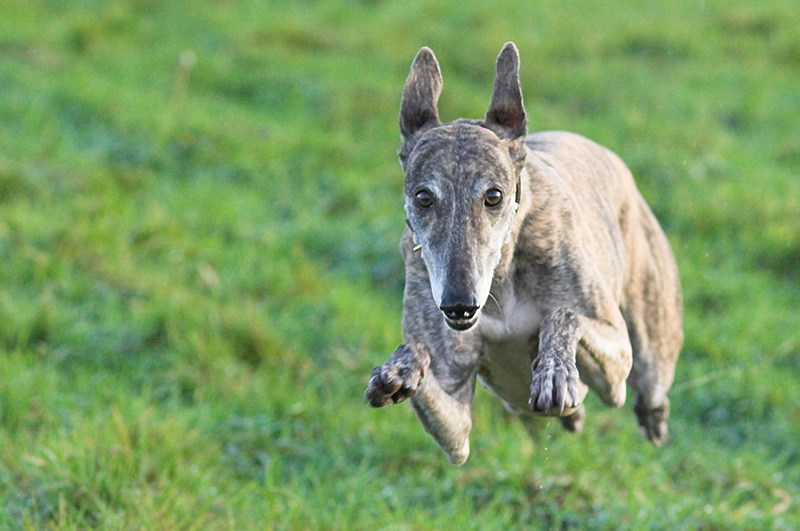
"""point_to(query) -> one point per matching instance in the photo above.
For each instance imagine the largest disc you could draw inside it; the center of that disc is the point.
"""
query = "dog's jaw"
(461, 325)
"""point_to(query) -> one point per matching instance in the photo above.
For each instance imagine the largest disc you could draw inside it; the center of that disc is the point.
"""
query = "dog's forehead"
(459, 148)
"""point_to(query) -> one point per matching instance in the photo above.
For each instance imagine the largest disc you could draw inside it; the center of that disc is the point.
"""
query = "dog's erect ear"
(506, 114)
(418, 111)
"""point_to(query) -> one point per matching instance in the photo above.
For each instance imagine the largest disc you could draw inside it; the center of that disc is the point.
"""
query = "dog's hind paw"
(554, 387)
(653, 420)
(574, 421)
(397, 379)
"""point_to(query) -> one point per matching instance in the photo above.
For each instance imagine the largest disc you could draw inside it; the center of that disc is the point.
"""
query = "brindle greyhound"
(532, 263)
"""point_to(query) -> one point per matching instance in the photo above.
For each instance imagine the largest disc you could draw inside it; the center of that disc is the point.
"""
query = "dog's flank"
(532, 264)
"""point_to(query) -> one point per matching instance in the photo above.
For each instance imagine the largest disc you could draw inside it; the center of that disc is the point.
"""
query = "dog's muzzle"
(460, 316)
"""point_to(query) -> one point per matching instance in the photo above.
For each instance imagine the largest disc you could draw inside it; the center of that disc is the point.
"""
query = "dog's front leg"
(605, 360)
(446, 416)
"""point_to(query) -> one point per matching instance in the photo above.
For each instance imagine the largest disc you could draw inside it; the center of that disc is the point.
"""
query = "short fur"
(565, 284)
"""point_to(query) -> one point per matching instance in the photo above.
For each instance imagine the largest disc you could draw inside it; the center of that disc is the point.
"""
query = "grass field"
(200, 205)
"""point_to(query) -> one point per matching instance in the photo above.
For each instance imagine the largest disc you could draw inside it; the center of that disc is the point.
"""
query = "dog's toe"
(554, 387)
(397, 380)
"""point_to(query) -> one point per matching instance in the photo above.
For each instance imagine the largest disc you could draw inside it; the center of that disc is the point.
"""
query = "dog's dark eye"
(424, 198)
(493, 197)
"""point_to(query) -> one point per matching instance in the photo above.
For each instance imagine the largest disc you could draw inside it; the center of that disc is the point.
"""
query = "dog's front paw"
(555, 386)
(397, 379)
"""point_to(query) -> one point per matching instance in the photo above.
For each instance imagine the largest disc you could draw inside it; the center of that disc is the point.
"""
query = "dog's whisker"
(499, 307)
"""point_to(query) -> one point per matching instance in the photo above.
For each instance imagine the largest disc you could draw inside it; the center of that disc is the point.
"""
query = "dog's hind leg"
(574, 422)
(651, 377)
(653, 313)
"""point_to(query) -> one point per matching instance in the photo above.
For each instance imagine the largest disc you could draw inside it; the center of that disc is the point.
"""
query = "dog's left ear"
(506, 114)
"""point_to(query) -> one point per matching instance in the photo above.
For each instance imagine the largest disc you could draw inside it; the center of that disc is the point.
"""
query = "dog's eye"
(493, 197)
(424, 198)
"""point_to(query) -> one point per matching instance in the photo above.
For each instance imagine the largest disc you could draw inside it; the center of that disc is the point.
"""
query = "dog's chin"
(461, 325)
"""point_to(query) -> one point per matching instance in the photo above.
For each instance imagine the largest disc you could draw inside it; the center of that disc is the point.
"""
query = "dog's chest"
(510, 344)
(513, 318)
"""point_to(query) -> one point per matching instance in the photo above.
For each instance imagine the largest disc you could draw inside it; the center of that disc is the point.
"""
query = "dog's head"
(462, 183)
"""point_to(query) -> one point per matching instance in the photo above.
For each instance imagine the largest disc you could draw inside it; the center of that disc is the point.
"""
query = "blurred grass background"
(199, 210)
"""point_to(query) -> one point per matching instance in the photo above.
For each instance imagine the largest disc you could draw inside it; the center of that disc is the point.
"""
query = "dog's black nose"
(459, 311)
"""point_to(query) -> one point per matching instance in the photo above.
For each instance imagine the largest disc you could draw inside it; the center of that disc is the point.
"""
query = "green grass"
(200, 205)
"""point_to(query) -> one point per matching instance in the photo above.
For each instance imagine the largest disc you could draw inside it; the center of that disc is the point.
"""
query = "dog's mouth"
(461, 323)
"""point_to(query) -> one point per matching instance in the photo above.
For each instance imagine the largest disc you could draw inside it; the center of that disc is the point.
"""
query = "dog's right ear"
(418, 111)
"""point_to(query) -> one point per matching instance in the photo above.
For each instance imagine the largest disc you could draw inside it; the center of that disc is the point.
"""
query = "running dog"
(532, 264)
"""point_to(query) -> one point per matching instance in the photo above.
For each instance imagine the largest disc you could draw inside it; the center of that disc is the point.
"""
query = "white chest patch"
(518, 319)
(509, 348)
